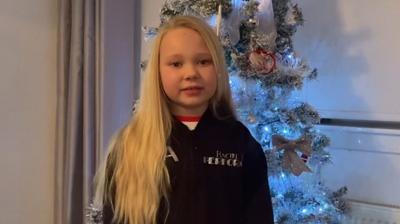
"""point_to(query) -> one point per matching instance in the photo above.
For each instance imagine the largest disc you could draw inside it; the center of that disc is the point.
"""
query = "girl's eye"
(205, 62)
(176, 64)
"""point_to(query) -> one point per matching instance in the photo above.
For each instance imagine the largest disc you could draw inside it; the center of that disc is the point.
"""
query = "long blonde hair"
(134, 178)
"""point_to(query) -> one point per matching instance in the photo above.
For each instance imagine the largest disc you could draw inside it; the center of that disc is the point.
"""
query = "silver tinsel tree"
(264, 71)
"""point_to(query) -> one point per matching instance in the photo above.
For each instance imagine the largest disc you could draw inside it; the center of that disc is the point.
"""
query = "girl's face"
(187, 71)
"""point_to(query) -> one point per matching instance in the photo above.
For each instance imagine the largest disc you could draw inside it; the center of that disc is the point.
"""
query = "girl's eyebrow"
(174, 56)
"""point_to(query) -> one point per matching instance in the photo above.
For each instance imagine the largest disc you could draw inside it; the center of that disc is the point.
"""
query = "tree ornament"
(149, 32)
(94, 215)
(251, 118)
(263, 62)
(304, 157)
(252, 22)
(291, 161)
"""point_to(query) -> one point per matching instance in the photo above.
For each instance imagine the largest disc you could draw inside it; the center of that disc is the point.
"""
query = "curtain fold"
(79, 114)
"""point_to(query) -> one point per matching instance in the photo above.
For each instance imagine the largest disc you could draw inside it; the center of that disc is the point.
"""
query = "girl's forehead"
(182, 39)
(182, 35)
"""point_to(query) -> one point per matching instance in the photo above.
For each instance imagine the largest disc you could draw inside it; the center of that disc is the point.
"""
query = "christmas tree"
(264, 72)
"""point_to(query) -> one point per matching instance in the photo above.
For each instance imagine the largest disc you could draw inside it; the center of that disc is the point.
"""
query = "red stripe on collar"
(188, 118)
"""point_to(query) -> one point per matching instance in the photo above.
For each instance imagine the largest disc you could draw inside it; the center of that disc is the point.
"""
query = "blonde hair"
(136, 179)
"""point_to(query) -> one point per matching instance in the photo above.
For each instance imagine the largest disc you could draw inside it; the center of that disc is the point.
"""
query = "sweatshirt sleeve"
(258, 205)
(108, 213)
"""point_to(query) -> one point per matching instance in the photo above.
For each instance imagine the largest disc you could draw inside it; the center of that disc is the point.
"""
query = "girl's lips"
(192, 91)
(192, 88)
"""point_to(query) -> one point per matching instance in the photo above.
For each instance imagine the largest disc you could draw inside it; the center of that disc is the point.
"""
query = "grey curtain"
(78, 144)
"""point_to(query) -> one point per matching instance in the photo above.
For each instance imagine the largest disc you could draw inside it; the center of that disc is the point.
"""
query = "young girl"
(183, 158)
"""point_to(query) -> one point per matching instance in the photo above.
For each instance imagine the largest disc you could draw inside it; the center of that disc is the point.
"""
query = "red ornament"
(262, 61)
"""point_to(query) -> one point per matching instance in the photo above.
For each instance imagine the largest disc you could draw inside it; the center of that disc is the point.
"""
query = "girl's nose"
(191, 72)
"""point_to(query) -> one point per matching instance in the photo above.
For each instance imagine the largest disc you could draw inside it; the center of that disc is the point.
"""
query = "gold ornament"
(292, 161)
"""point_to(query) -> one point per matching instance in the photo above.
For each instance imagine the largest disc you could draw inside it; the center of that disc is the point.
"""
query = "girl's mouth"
(192, 91)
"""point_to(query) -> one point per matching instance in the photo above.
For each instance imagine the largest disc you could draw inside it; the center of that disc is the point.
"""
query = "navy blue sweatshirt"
(218, 175)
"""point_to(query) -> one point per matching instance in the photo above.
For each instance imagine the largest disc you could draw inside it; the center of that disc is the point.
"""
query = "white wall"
(354, 44)
(28, 32)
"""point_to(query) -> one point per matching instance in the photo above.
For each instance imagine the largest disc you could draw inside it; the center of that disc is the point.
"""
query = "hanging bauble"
(263, 62)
